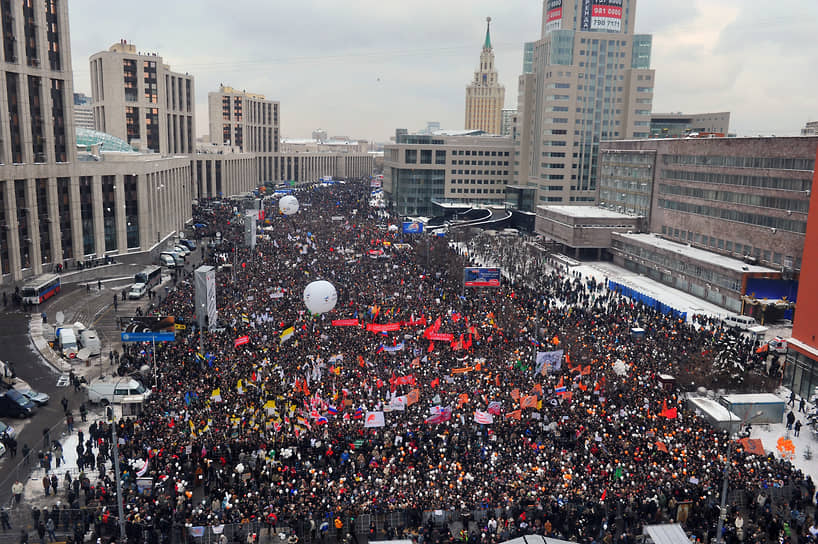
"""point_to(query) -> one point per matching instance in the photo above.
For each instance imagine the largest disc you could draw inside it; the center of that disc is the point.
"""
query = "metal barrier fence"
(374, 525)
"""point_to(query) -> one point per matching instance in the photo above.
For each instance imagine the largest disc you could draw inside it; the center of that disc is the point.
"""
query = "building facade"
(507, 124)
(590, 81)
(801, 368)
(723, 280)
(83, 112)
(448, 167)
(139, 99)
(740, 197)
(679, 125)
(810, 129)
(313, 166)
(247, 121)
(485, 97)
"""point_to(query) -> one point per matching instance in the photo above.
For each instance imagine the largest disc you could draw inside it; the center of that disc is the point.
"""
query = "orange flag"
(463, 370)
(516, 414)
(528, 401)
(515, 393)
(582, 387)
(462, 399)
(537, 388)
(555, 340)
(412, 397)
(661, 446)
(585, 371)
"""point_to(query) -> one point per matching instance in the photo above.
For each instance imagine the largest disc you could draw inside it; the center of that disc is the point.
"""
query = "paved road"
(16, 348)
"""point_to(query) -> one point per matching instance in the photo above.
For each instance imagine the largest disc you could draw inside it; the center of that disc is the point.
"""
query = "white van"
(137, 291)
(90, 341)
(739, 322)
(177, 259)
(166, 259)
(68, 343)
(117, 391)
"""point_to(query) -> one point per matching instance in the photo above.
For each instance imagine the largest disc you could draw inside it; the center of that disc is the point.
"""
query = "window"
(411, 156)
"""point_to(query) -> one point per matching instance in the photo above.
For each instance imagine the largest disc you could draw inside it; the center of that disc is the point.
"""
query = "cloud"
(322, 59)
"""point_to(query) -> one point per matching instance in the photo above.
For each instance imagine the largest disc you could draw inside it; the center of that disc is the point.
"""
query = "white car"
(137, 291)
(181, 250)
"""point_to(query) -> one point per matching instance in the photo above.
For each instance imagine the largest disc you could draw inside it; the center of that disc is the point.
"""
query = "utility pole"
(117, 476)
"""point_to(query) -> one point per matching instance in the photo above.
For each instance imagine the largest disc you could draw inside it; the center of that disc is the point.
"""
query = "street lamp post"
(723, 508)
(117, 474)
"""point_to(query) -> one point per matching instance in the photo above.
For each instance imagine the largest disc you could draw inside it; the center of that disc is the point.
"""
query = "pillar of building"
(32, 218)
(14, 232)
(76, 218)
(145, 225)
(54, 221)
(120, 218)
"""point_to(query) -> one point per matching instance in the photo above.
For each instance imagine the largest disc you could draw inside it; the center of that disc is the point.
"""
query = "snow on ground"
(805, 445)
(33, 491)
(674, 298)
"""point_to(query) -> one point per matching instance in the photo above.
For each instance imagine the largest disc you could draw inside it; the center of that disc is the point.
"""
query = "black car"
(14, 404)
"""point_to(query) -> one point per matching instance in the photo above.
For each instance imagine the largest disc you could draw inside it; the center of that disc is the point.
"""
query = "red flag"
(435, 382)
(431, 347)
(604, 494)
(661, 446)
(668, 413)
(516, 414)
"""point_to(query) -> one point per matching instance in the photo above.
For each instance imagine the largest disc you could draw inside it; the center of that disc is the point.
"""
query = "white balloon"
(320, 297)
(288, 205)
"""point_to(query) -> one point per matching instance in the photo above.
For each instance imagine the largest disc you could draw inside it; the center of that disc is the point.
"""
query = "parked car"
(190, 244)
(7, 430)
(40, 399)
(13, 404)
(739, 322)
(181, 250)
(137, 291)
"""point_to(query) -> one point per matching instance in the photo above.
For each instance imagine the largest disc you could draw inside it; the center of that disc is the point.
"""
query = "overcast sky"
(362, 68)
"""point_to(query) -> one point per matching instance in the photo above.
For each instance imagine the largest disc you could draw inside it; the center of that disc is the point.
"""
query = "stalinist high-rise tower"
(485, 96)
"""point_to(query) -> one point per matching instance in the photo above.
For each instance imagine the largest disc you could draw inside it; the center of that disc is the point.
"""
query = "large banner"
(412, 227)
(205, 297)
(147, 329)
(481, 277)
(602, 15)
(553, 15)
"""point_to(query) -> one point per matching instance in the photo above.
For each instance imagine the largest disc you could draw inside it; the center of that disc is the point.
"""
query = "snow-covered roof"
(713, 409)
(722, 261)
(590, 212)
(758, 398)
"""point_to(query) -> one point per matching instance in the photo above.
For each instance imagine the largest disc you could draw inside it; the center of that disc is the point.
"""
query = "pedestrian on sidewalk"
(64, 403)
(69, 422)
(99, 285)
(798, 427)
(26, 454)
(115, 303)
(802, 405)
(83, 413)
(17, 491)
(46, 485)
(49, 526)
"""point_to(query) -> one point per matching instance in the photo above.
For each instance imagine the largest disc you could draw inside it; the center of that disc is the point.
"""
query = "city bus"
(40, 289)
(150, 276)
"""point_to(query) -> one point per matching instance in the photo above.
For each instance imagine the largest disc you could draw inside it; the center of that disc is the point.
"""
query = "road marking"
(63, 381)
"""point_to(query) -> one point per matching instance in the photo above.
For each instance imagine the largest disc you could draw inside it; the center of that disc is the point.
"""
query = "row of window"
(473, 191)
(481, 172)
(747, 199)
(480, 163)
(778, 163)
(479, 181)
(672, 262)
(734, 248)
(790, 225)
(467, 153)
(764, 182)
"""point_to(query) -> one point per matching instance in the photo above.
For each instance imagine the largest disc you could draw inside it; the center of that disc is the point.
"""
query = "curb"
(35, 333)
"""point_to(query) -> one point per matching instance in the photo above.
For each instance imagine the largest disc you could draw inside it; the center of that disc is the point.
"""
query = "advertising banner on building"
(412, 227)
(481, 277)
(205, 297)
(553, 15)
(603, 15)
(147, 329)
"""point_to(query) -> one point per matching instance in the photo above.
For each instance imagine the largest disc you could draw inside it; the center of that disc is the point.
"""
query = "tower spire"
(487, 45)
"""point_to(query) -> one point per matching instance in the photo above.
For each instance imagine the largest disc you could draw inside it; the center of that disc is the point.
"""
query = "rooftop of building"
(680, 115)
(308, 141)
(87, 138)
(724, 138)
(696, 254)
(590, 212)
(226, 89)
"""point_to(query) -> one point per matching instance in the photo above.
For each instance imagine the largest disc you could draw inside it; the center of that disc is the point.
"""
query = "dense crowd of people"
(316, 423)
